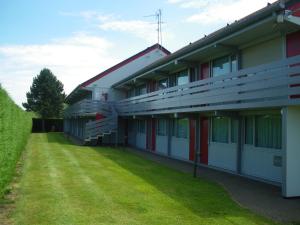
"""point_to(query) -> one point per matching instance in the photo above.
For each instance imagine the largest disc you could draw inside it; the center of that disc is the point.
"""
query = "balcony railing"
(269, 85)
(87, 108)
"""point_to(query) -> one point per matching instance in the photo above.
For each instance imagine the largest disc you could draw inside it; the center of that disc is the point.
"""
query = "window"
(234, 63)
(182, 77)
(131, 126)
(193, 76)
(220, 129)
(180, 128)
(224, 65)
(131, 93)
(249, 130)
(161, 127)
(162, 84)
(142, 90)
(141, 126)
(172, 81)
(234, 130)
(268, 131)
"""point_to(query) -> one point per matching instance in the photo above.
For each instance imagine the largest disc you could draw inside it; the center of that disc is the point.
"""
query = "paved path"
(262, 198)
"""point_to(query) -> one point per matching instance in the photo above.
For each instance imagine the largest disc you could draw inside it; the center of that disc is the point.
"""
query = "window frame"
(231, 58)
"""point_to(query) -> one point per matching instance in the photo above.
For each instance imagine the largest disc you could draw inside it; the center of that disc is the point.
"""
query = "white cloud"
(90, 15)
(138, 28)
(72, 60)
(144, 30)
(219, 11)
(193, 3)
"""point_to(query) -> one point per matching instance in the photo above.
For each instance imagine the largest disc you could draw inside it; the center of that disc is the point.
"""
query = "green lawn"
(67, 184)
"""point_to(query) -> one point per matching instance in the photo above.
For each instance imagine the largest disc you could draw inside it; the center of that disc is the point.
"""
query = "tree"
(46, 95)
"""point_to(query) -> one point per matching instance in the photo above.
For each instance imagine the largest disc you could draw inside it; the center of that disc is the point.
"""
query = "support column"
(291, 151)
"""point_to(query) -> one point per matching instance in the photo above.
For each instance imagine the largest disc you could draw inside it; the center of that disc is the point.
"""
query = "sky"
(78, 39)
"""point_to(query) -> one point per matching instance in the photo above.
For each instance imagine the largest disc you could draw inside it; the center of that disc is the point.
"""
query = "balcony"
(270, 85)
(87, 108)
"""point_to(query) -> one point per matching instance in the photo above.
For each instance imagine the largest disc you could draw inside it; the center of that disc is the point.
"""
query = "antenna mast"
(159, 22)
(158, 16)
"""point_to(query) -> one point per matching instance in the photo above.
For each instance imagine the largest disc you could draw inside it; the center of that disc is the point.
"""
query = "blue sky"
(78, 39)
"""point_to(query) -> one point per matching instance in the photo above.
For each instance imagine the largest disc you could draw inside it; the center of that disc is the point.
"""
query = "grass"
(15, 127)
(67, 184)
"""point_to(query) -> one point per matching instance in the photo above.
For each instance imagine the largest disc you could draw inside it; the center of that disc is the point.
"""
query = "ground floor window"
(268, 131)
(234, 130)
(249, 130)
(161, 127)
(141, 126)
(220, 129)
(180, 128)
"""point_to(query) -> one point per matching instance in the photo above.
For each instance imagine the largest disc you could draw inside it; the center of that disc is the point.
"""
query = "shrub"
(15, 127)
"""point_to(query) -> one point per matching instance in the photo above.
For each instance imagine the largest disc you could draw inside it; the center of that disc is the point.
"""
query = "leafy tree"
(46, 95)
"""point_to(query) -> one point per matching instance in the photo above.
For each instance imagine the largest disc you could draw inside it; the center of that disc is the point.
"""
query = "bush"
(15, 127)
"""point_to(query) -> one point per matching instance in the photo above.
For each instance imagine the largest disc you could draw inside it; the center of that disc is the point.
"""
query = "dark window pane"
(162, 84)
(234, 65)
(142, 90)
(161, 127)
(220, 66)
(141, 126)
(268, 131)
(234, 131)
(182, 77)
(182, 128)
(249, 130)
(220, 129)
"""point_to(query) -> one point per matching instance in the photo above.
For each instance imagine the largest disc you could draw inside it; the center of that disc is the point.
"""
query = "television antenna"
(158, 16)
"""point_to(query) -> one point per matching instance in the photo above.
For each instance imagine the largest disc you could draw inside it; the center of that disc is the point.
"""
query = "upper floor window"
(162, 84)
(224, 65)
(131, 93)
(182, 77)
(142, 90)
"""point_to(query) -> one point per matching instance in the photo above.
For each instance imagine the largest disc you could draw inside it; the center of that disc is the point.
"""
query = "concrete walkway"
(262, 198)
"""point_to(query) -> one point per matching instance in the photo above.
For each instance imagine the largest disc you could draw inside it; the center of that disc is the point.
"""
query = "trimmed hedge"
(15, 127)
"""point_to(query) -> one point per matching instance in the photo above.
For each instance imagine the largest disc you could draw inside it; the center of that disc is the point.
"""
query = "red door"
(204, 140)
(192, 139)
(204, 71)
(293, 49)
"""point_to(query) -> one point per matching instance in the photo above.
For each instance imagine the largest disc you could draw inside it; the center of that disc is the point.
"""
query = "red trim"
(295, 8)
(99, 116)
(126, 61)
(204, 140)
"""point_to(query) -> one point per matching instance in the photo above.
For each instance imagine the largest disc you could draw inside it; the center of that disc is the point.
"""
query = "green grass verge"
(67, 184)
(15, 127)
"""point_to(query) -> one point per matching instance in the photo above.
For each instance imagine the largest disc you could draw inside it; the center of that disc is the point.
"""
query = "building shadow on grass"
(204, 198)
(58, 138)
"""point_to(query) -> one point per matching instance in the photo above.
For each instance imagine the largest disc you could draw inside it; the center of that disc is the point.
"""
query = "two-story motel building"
(233, 97)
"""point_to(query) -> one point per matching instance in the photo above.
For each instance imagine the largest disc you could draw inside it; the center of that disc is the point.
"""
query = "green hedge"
(15, 127)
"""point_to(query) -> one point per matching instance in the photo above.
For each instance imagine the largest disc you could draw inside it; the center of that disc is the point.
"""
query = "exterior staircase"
(105, 126)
